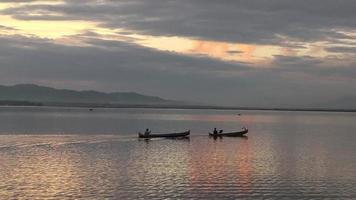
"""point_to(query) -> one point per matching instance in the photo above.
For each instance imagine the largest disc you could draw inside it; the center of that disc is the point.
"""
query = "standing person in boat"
(215, 132)
(147, 132)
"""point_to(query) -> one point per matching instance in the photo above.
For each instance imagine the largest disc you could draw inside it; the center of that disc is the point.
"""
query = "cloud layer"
(325, 29)
(251, 21)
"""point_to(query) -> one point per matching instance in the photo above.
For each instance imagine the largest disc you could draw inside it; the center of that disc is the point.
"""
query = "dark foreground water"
(51, 153)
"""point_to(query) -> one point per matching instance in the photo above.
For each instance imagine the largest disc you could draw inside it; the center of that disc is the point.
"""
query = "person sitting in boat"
(220, 131)
(215, 132)
(147, 132)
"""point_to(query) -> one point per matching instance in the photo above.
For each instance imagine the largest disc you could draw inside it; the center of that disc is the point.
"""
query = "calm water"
(62, 153)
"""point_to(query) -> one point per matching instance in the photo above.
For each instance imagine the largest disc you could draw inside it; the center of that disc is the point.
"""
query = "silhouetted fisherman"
(147, 132)
(215, 132)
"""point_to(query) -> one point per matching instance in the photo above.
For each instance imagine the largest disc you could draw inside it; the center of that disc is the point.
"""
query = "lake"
(74, 153)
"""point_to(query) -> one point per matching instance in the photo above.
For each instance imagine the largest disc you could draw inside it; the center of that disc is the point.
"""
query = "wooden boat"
(165, 135)
(231, 134)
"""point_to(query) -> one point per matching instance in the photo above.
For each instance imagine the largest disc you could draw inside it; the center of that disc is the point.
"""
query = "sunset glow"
(65, 31)
(178, 99)
(216, 43)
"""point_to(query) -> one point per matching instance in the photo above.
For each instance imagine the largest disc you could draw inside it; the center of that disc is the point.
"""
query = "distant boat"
(91, 109)
(231, 134)
(165, 135)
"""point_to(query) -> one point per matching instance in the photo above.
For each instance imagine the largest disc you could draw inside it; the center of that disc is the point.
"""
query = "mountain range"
(35, 95)
(52, 96)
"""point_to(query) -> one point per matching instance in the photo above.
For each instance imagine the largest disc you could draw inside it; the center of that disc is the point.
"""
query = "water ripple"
(112, 167)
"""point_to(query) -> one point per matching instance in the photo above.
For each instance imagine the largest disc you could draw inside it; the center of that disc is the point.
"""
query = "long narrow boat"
(231, 134)
(165, 135)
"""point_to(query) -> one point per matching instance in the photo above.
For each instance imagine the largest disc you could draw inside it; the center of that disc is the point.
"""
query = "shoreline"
(188, 107)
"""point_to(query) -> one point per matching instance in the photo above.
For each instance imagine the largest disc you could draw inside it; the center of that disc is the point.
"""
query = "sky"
(280, 53)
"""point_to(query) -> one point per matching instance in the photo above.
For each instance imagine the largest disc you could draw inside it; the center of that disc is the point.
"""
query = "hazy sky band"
(220, 52)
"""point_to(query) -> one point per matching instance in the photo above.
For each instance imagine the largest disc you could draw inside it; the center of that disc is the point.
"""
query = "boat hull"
(168, 135)
(231, 134)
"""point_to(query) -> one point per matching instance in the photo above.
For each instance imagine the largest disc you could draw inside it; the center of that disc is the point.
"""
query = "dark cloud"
(7, 28)
(296, 61)
(342, 49)
(316, 67)
(251, 21)
(234, 52)
(109, 65)
(120, 66)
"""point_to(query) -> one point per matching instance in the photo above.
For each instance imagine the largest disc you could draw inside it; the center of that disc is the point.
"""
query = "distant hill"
(34, 95)
(48, 96)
